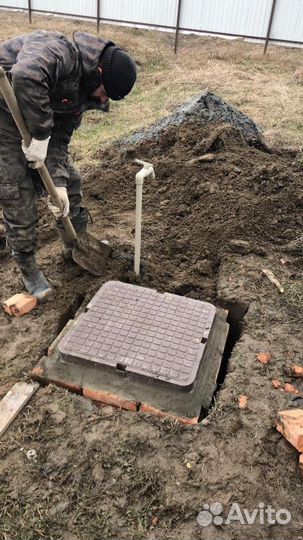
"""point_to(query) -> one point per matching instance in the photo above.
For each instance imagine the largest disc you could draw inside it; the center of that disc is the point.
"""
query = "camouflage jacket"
(51, 77)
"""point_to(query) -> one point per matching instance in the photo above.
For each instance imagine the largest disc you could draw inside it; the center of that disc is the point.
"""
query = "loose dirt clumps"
(209, 228)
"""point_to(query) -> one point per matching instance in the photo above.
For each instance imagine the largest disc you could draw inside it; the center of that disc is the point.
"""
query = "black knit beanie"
(119, 72)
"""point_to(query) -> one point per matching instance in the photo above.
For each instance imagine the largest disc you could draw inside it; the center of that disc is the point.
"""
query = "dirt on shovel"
(90, 253)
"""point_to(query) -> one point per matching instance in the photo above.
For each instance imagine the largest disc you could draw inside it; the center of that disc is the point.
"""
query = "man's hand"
(57, 212)
(36, 152)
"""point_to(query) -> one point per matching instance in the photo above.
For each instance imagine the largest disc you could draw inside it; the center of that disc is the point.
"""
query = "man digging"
(55, 80)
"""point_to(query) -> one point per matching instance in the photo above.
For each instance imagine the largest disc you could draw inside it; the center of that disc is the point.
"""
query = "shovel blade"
(91, 254)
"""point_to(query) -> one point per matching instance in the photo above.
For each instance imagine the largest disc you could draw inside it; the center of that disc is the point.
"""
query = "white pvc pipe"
(146, 172)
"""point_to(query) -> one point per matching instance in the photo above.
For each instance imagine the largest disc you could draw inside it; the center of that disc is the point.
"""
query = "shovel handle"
(12, 103)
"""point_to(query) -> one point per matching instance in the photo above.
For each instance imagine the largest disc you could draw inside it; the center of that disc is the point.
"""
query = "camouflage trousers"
(20, 186)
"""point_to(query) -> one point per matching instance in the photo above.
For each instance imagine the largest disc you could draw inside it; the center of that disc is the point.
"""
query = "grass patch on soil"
(267, 88)
(293, 298)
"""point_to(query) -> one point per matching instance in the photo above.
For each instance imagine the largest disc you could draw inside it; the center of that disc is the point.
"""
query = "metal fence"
(278, 21)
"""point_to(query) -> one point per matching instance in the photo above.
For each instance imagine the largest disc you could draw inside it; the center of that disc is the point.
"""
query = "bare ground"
(103, 473)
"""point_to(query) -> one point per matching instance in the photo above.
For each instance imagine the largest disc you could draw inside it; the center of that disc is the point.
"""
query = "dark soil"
(209, 228)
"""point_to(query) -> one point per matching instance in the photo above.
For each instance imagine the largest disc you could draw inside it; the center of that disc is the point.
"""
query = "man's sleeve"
(39, 65)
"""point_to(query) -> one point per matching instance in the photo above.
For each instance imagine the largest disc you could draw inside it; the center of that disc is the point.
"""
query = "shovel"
(88, 252)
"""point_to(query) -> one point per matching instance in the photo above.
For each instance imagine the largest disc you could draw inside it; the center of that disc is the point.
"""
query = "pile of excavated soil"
(244, 200)
(209, 228)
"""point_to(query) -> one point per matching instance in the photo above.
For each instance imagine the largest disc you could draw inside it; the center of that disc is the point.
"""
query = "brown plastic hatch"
(136, 330)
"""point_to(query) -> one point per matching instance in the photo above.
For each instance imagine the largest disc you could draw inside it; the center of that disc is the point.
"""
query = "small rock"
(163, 189)
(240, 246)
(31, 455)
(165, 202)
(295, 247)
(158, 214)
(108, 409)
(204, 267)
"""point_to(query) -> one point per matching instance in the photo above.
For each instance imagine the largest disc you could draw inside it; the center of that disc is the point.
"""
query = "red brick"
(290, 389)
(263, 357)
(149, 409)
(242, 401)
(294, 371)
(110, 399)
(37, 373)
(40, 374)
(290, 424)
(20, 304)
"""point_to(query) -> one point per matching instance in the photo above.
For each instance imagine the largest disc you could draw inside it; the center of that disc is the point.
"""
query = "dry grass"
(267, 88)
(293, 298)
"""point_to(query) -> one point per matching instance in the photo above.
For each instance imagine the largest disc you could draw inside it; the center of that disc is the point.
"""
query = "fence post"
(98, 15)
(177, 25)
(273, 7)
(30, 11)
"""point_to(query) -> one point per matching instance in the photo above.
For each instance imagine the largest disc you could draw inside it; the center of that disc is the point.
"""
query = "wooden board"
(14, 401)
